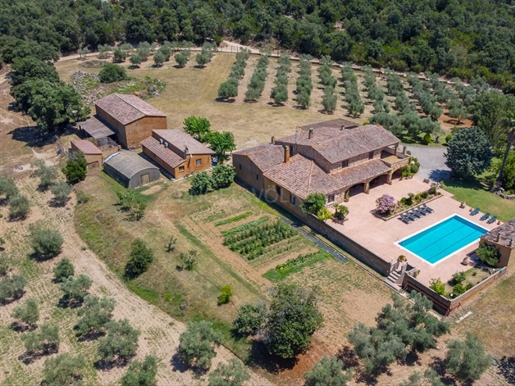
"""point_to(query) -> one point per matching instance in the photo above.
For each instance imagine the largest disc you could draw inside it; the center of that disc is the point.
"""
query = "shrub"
(340, 212)
(141, 373)
(313, 204)
(232, 373)
(63, 270)
(63, 369)
(61, 193)
(459, 277)
(135, 60)
(385, 204)
(111, 72)
(48, 175)
(189, 259)
(8, 187)
(327, 372)
(28, 313)
(119, 55)
(12, 288)
(458, 289)
(76, 168)
(437, 286)
(121, 342)
(448, 138)
(140, 259)
(324, 214)
(19, 207)
(225, 295)
(44, 341)
(467, 360)
(182, 58)
(427, 139)
(488, 254)
(75, 290)
(196, 347)
(250, 319)
(45, 241)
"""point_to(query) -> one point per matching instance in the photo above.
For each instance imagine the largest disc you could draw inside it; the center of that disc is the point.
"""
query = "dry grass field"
(98, 237)
(252, 123)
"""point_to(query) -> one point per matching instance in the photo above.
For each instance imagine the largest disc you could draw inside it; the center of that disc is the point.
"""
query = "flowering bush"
(385, 204)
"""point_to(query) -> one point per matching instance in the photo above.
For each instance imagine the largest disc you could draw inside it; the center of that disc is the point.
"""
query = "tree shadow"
(260, 357)
(225, 100)
(506, 368)
(102, 365)
(66, 302)
(22, 327)
(440, 175)
(178, 365)
(34, 136)
(91, 336)
(438, 365)
(29, 357)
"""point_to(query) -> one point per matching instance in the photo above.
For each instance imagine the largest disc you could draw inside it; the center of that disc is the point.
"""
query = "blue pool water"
(443, 239)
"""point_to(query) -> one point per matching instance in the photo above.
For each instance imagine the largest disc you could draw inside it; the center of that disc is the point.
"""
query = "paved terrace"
(379, 236)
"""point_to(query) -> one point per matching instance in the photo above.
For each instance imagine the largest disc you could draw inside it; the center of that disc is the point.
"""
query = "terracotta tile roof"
(96, 128)
(334, 124)
(86, 147)
(355, 174)
(127, 108)
(264, 156)
(301, 177)
(506, 231)
(181, 140)
(335, 144)
(167, 155)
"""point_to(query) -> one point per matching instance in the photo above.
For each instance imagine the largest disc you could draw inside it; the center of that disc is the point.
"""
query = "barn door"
(145, 179)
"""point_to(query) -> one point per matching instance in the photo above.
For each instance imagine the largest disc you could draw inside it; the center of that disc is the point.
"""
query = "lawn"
(476, 195)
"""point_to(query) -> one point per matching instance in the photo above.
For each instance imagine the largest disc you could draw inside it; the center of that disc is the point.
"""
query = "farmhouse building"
(125, 117)
(130, 169)
(177, 152)
(503, 237)
(336, 158)
(92, 153)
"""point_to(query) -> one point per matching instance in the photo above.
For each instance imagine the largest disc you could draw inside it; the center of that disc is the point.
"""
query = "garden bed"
(401, 208)
(294, 265)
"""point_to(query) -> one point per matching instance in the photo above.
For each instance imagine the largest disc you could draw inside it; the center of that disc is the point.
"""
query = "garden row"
(252, 241)
(229, 88)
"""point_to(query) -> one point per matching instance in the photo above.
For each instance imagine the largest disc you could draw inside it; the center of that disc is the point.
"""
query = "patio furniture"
(484, 217)
(415, 213)
(421, 210)
(474, 212)
(404, 219)
(492, 220)
(427, 208)
(410, 216)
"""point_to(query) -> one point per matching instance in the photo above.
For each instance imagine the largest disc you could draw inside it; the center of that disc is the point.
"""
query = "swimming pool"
(443, 239)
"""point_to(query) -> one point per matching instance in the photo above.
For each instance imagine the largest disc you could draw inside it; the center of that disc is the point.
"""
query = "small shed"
(92, 153)
(130, 169)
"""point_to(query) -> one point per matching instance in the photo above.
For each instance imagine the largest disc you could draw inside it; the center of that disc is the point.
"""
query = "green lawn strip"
(295, 265)
(207, 252)
(233, 219)
(476, 195)
(245, 226)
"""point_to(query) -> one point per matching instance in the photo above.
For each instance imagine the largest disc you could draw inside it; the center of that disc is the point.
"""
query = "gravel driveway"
(432, 161)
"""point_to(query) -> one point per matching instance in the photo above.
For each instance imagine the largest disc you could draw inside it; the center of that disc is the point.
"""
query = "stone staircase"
(392, 280)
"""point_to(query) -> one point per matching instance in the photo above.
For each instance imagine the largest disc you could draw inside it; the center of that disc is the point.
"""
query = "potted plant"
(340, 213)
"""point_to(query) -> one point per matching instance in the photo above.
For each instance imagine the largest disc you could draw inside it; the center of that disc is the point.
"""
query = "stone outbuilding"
(92, 153)
(127, 118)
(503, 237)
(130, 169)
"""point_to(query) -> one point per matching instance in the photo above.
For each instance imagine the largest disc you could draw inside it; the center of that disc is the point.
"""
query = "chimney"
(404, 148)
(342, 128)
(286, 154)
(498, 237)
(166, 144)
(186, 150)
(272, 141)
(310, 133)
(510, 243)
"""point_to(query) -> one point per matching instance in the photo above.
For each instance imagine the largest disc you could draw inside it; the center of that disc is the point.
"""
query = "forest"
(455, 38)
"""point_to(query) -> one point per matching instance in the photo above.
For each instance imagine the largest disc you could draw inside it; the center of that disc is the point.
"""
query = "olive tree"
(94, 315)
(232, 373)
(327, 372)
(140, 259)
(141, 373)
(467, 360)
(46, 242)
(63, 369)
(75, 290)
(43, 341)
(120, 344)
(12, 288)
(63, 270)
(27, 314)
(197, 343)
(19, 207)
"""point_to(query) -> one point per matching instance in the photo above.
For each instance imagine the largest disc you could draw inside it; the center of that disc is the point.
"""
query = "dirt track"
(159, 332)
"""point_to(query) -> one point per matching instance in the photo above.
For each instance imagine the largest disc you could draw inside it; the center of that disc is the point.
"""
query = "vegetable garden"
(255, 238)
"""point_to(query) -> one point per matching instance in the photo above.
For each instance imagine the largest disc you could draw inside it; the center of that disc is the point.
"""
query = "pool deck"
(379, 236)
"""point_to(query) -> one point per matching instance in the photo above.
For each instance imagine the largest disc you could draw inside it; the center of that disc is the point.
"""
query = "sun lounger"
(427, 208)
(404, 219)
(474, 212)
(415, 213)
(410, 216)
(421, 210)
(492, 220)
(484, 217)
